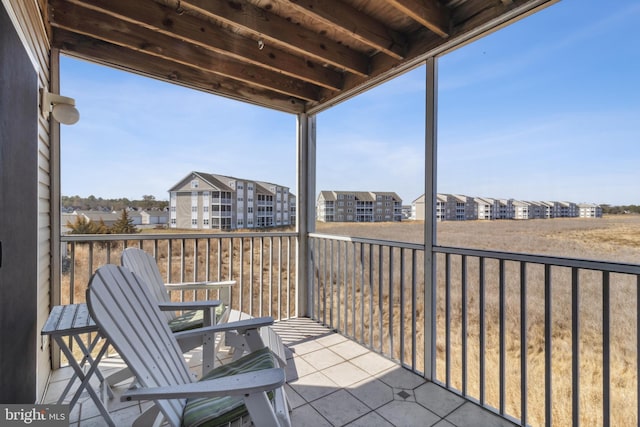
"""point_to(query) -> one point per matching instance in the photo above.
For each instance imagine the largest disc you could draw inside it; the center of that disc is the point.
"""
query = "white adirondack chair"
(207, 313)
(130, 319)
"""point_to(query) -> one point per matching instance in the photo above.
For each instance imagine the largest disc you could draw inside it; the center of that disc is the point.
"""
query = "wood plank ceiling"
(290, 55)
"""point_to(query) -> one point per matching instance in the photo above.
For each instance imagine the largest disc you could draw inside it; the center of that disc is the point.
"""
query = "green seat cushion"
(193, 319)
(218, 411)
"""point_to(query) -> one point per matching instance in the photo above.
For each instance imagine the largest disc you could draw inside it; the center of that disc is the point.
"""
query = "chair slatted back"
(129, 317)
(146, 267)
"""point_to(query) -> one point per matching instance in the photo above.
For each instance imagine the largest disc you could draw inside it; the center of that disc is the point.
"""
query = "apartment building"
(358, 206)
(417, 207)
(219, 202)
(452, 207)
(459, 208)
(486, 209)
(589, 210)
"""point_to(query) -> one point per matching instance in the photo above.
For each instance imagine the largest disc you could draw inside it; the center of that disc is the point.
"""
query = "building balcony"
(484, 311)
(331, 381)
(221, 201)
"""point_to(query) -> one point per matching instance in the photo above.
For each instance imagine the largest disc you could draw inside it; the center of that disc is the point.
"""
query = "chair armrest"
(186, 286)
(234, 385)
(241, 326)
(189, 305)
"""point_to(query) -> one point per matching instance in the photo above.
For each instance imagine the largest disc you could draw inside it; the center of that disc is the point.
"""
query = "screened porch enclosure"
(491, 332)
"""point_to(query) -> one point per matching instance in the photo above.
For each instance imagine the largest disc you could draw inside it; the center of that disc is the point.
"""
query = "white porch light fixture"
(62, 108)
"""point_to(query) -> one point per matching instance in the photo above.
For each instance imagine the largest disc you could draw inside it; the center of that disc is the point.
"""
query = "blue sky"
(546, 109)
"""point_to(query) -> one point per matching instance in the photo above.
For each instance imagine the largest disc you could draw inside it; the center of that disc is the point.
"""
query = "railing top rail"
(613, 267)
(169, 236)
(368, 241)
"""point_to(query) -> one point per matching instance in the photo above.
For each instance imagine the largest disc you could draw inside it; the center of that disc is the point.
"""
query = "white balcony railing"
(263, 264)
(538, 340)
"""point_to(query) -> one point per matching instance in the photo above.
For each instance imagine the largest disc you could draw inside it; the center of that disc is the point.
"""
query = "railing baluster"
(230, 258)
(346, 288)
(240, 281)
(575, 348)
(270, 293)
(463, 338)
(207, 266)
(414, 316)
(169, 257)
(362, 292)
(523, 343)
(72, 273)
(380, 296)
(548, 331)
(261, 281)
(195, 266)
(279, 278)
(331, 283)
(606, 367)
(481, 314)
(370, 296)
(390, 304)
(402, 299)
(353, 290)
(338, 271)
(447, 319)
(502, 345)
(324, 284)
(252, 261)
(289, 278)
(196, 246)
(311, 277)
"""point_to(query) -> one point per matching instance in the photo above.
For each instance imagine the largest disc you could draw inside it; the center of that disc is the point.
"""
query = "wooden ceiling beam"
(428, 13)
(347, 20)
(98, 25)
(185, 27)
(274, 29)
(151, 66)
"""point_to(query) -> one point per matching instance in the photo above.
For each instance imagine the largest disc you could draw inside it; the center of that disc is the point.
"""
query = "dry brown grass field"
(614, 238)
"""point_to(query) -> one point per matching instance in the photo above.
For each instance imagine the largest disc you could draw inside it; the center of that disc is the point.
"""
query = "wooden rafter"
(96, 24)
(290, 55)
(273, 29)
(186, 28)
(152, 66)
(361, 27)
(427, 12)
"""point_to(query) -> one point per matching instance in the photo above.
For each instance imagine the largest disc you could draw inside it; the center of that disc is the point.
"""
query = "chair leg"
(150, 417)
(261, 410)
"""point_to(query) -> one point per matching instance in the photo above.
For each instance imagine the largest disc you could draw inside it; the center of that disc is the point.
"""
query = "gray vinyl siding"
(25, 16)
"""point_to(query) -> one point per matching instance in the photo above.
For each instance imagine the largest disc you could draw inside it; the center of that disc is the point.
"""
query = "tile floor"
(331, 381)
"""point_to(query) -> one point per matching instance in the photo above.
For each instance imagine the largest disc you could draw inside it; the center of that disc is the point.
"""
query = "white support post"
(430, 188)
(305, 209)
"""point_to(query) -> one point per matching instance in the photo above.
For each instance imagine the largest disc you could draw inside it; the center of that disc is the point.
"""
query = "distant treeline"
(611, 209)
(98, 203)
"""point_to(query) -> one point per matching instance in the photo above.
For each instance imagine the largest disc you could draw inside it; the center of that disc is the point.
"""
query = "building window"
(194, 183)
